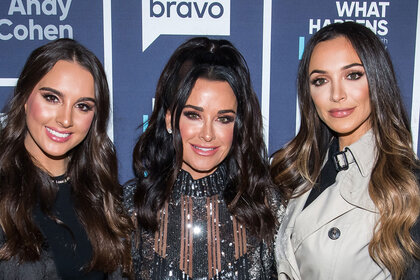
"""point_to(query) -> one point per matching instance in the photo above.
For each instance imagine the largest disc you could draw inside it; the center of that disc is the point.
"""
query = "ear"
(168, 121)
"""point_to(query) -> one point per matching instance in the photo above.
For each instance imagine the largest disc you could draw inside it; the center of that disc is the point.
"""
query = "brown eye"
(191, 115)
(226, 119)
(84, 107)
(354, 75)
(318, 82)
(50, 98)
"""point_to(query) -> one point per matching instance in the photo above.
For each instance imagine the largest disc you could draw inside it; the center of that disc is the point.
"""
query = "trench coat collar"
(355, 180)
(364, 153)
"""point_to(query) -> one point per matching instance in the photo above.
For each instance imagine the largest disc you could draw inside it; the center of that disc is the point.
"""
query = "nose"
(338, 92)
(65, 116)
(207, 133)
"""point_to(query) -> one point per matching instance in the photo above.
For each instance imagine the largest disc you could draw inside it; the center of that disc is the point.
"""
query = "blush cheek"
(36, 111)
(188, 129)
(229, 138)
(85, 123)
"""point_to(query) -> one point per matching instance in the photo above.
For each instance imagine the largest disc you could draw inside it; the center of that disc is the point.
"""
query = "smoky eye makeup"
(85, 107)
(49, 97)
(318, 81)
(355, 75)
(226, 119)
(192, 115)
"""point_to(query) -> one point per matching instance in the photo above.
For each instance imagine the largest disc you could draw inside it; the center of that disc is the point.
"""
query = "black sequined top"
(198, 238)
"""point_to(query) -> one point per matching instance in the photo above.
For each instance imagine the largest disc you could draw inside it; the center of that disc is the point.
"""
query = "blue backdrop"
(134, 39)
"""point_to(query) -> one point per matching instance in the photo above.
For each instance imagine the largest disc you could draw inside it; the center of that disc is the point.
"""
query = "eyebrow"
(200, 109)
(60, 94)
(226, 111)
(352, 65)
(343, 68)
(52, 90)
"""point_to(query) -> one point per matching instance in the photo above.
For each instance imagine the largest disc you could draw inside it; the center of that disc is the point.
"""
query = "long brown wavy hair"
(92, 170)
(393, 186)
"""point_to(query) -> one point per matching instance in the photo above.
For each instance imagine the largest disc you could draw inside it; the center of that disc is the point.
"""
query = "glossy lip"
(197, 150)
(58, 138)
(341, 113)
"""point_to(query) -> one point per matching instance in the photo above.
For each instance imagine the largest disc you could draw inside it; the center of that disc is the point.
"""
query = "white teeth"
(58, 134)
(204, 149)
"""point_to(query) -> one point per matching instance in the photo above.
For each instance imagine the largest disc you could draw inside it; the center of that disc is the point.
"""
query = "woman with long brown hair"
(350, 173)
(61, 213)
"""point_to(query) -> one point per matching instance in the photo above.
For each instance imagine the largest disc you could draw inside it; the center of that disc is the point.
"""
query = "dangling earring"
(169, 130)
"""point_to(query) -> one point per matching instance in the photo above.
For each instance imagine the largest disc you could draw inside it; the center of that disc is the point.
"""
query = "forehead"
(70, 78)
(212, 94)
(333, 54)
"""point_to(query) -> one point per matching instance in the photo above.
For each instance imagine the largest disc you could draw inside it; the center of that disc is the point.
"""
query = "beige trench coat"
(329, 239)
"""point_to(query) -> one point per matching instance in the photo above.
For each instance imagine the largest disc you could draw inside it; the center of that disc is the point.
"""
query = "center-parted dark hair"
(158, 154)
(393, 187)
(92, 170)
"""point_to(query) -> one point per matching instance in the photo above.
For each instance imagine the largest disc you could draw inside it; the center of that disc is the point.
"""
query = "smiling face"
(206, 126)
(339, 89)
(59, 113)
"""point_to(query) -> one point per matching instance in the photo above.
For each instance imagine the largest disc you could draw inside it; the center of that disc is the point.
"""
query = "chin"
(205, 169)
(56, 155)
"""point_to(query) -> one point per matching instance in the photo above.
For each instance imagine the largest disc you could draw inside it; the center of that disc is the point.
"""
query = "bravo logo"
(165, 17)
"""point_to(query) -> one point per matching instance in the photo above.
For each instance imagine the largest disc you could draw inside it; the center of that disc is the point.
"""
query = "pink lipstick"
(204, 151)
(341, 113)
(57, 136)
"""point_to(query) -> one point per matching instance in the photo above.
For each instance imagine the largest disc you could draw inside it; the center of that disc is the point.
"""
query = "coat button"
(334, 233)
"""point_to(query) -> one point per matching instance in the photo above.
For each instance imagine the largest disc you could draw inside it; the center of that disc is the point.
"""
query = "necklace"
(61, 181)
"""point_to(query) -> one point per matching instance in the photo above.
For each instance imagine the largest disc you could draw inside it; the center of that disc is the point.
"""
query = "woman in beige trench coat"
(350, 171)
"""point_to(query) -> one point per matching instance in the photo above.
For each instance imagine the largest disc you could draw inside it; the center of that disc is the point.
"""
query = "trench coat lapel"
(327, 207)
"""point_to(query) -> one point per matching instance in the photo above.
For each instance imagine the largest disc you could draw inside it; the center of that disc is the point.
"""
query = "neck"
(54, 167)
(347, 139)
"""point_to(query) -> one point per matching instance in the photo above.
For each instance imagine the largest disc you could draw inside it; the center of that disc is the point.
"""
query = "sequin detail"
(198, 238)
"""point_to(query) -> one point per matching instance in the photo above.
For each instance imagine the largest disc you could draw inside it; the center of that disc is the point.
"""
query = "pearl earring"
(169, 130)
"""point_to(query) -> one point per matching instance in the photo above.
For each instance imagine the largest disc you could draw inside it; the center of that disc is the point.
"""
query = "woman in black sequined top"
(61, 212)
(203, 201)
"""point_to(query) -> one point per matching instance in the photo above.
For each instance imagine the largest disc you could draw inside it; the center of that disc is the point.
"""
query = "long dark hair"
(157, 155)
(393, 186)
(92, 170)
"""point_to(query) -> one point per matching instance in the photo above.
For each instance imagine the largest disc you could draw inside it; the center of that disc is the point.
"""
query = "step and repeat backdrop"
(134, 39)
